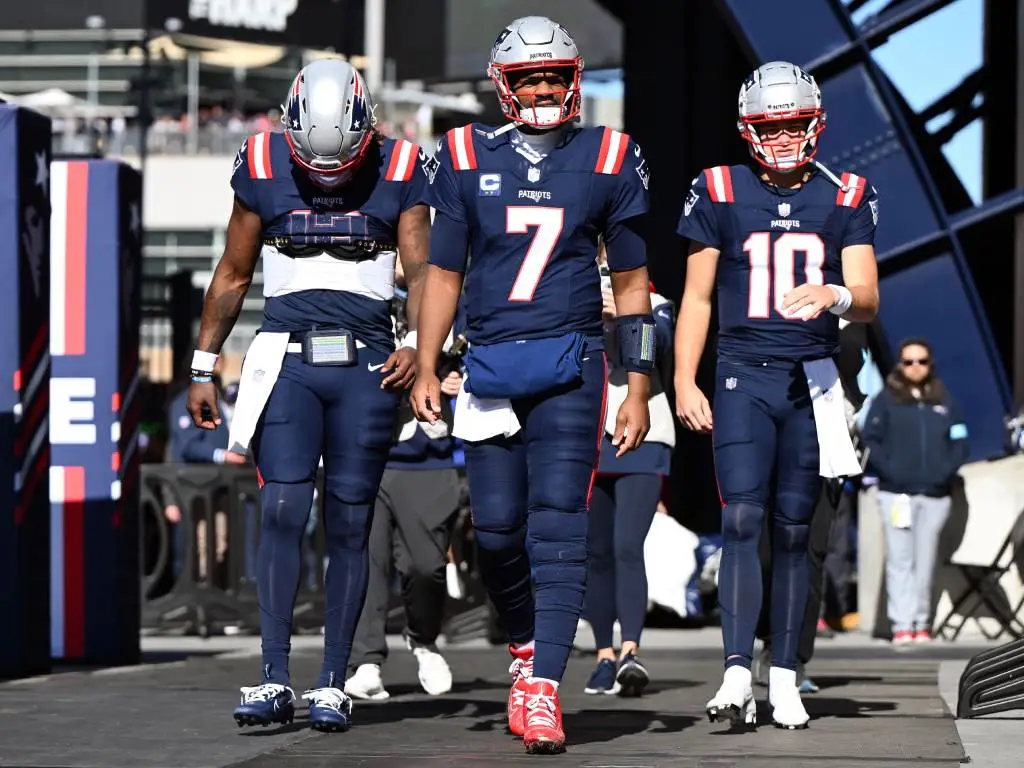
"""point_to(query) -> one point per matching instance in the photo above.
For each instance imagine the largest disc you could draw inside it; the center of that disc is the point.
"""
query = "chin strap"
(829, 175)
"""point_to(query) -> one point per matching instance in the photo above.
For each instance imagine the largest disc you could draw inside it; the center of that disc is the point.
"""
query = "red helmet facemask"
(775, 154)
(556, 107)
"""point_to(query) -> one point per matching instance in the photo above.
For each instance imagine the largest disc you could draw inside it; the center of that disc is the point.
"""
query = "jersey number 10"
(774, 265)
(519, 219)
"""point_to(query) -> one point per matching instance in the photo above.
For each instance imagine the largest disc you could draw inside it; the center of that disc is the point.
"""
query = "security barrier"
(200, 536)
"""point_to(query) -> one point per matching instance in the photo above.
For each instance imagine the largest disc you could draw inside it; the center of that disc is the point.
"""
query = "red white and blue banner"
(95, 262)
(24, 391)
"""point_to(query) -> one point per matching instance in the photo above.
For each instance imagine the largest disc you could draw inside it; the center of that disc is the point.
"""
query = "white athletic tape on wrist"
(842, 306)
(204, 361)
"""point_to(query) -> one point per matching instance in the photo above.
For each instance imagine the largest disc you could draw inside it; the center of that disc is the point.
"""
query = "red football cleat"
(544, 734)
(521, 669)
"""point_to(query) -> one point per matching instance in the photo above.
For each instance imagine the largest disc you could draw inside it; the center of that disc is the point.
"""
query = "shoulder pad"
(719, 183)
(402, 161)
(853, 193)
(613, 151)
(258, 156)
(460, 147)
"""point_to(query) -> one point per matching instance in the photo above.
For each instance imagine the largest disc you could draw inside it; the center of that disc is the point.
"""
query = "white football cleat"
(784, 698)
(734, 703)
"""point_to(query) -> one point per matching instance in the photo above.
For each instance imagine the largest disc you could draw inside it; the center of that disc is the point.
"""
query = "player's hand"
(692, 407)
(451, 384)
(631, 424)
(202, 405)
(401, 369)
(806, 302)
(234, 458)
(426, 398)
(608, 311)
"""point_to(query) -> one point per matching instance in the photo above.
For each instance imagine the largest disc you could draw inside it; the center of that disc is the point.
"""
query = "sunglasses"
(908, 363)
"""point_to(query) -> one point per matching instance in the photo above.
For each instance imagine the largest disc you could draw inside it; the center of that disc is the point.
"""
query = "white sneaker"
(784, 697)
(734, 703)
(434, 673)
(366, 684)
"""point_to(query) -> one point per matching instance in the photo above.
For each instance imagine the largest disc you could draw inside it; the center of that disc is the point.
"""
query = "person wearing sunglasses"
(917, 441)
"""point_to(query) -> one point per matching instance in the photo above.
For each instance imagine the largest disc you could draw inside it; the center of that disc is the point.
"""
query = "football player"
(790, 245)
(529, 200)
(327, 202)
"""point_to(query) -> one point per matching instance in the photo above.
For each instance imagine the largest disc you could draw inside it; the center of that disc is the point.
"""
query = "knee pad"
(498, 539)
(346, 526)
(557, 543)
(285, 507)
(742, 522)
(789, 536)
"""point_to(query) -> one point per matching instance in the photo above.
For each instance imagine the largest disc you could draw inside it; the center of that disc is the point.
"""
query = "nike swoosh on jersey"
(371, 367)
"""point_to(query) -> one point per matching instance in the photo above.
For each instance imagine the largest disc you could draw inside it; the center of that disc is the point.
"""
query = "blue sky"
(955, 36)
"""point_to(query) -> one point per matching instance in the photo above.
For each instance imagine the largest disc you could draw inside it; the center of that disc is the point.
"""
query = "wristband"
(636, 336)
(409, 340)
(204, 362)
(201, 377)
(842, 306)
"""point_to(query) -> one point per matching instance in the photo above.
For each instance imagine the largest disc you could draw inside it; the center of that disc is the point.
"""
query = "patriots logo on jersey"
(874, 211)
(691, 200)
(429, 165)
(644, 173)
(240, 157)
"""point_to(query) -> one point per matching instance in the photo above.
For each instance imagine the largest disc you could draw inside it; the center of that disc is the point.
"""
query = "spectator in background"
(625, 498)
(917, 442)
(191, 445)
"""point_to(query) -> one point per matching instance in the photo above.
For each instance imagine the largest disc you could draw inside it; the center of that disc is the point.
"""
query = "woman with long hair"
(917, 442)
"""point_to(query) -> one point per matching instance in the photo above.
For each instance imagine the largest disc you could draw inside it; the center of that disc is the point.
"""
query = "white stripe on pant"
(910, 555)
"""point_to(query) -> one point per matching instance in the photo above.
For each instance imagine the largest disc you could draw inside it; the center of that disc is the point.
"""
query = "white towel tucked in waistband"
(478, 419)
(260, 370)
(837, 456)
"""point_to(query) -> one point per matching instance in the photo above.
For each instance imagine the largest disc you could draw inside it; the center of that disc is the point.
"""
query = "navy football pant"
(621, 512)
(529, 495)
(764, 432)
(343, 414)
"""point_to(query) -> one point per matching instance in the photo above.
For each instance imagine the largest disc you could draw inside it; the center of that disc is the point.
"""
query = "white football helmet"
(328, 120)
(536, 44)
(779, 92)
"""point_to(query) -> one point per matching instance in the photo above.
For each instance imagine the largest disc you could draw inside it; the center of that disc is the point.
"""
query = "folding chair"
(982, 590)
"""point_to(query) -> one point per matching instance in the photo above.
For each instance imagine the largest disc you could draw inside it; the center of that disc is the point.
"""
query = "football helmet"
(328, 120)
(780, 92)
(536, 44)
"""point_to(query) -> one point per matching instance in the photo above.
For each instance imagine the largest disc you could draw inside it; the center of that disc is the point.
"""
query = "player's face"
(916, 363)
(784, 137)
(541, 89)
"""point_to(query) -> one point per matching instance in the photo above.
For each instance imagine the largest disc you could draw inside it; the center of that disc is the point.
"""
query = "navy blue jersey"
(533, 227)
(770, 241)
(329, 255)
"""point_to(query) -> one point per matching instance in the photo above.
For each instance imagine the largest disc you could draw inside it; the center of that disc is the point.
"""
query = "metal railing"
(199, 572)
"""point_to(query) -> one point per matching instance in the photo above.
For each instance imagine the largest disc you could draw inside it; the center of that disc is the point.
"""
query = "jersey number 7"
(548, 223)
(778, 259)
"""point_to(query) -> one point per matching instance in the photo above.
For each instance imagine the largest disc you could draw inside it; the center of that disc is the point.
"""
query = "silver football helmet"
(774, 100)
(536, 44)
(328, 120)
